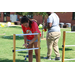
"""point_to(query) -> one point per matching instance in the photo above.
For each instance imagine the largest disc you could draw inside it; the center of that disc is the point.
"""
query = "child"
(29, 26)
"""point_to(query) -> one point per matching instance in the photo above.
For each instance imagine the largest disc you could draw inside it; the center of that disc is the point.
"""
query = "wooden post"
(39, 47)
(63, 47)
(14, 44)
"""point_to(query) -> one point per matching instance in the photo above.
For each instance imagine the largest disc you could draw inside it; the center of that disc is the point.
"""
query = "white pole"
(69, 45)
(70, 31)
(27, 49)
(27, 34)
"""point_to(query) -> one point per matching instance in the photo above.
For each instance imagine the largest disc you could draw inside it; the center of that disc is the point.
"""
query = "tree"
(44, 14)
(24, 13)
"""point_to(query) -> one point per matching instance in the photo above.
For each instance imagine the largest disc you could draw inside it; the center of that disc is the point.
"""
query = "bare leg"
(36, 51)
(30, 53)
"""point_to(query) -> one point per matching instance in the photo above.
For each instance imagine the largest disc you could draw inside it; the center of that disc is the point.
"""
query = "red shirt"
(34, 28)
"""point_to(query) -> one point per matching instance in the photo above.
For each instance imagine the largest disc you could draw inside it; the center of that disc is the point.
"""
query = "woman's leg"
(36, 51)
(30, 53)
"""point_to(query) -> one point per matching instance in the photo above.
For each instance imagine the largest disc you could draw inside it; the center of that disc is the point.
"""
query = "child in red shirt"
(29, 26)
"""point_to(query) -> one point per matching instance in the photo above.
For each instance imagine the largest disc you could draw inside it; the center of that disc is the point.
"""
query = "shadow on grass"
(11, 37)
(41, 57)
(15, 27)
(20, 48)
(7, 60)
(26, 53)
(21, 53)
(66, 49)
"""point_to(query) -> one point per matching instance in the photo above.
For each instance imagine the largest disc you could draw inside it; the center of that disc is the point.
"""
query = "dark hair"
(25, 20)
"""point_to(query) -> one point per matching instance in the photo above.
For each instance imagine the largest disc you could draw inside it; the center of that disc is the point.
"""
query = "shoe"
(49, 58)
(57, 58)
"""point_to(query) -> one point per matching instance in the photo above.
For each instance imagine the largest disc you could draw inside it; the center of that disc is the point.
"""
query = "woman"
(29, 26)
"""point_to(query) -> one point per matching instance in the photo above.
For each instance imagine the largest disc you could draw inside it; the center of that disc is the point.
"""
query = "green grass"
(6, 46)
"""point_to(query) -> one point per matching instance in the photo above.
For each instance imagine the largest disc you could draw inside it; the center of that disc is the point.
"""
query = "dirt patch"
(43, 39)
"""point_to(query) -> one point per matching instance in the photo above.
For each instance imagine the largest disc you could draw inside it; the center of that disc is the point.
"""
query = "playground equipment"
(63, 46)
(14, 45)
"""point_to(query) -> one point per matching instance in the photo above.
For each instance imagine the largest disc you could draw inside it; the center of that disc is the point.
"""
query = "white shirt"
(54, 19)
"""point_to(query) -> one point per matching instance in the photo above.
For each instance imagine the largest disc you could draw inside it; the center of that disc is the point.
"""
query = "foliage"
(44, 14)
(24, 13)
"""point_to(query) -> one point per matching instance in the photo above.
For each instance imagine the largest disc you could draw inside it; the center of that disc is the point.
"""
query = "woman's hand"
(26, 45)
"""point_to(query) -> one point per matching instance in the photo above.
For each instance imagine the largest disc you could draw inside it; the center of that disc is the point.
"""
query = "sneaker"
(49, 58)
(57, 58)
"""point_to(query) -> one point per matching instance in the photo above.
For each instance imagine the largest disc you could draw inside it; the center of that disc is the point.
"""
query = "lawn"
(6, 46)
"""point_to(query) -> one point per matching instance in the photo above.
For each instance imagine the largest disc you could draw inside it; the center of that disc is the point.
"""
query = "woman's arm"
(25, 38)
(35, 37)
(30, 42)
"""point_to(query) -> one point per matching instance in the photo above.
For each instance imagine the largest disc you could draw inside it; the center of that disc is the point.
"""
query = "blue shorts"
(34, 41)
